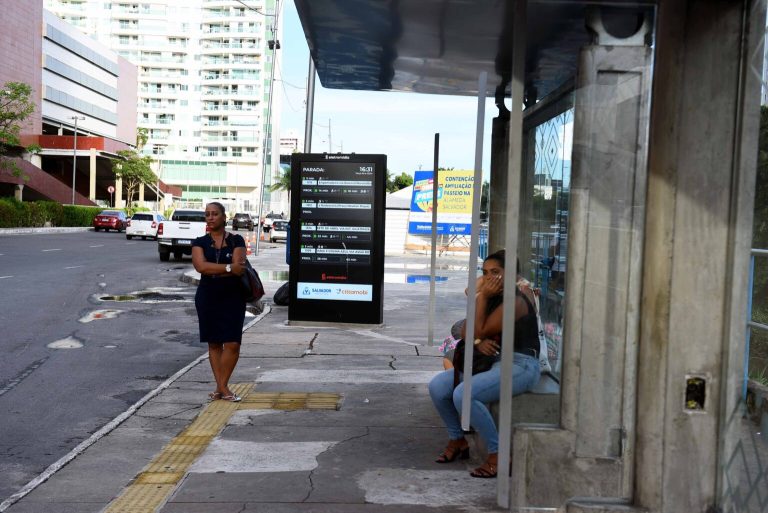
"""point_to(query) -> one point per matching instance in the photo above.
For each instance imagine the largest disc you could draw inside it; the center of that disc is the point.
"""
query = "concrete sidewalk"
(333, 420)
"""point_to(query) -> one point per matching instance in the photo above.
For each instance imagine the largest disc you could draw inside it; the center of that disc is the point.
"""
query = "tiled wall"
(21, 25)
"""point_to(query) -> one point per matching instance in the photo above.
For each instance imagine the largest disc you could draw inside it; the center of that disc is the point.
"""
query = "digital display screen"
(338, 218)
(336, 227)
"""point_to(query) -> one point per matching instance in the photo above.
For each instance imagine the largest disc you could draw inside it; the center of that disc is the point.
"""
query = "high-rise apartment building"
(204, 71)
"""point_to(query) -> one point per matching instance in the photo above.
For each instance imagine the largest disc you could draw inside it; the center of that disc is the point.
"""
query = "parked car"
(279, 230)
(110, 220)
(176, 236)
(242, 220)
(269, 219)
(143, 224)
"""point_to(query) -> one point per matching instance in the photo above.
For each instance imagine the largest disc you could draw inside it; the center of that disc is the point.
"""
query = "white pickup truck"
(176, 236)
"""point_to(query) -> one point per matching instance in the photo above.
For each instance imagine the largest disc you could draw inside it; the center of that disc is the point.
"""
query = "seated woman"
(485, 385)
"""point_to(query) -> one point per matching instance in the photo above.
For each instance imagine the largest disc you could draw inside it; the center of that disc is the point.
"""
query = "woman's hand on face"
(493, 284)
(488, 347)
(238, 268)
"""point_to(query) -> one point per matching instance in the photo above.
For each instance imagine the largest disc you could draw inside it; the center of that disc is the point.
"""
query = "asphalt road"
(51, 399)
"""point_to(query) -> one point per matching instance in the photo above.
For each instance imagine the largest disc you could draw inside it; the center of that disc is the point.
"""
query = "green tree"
(133, 168)
(398, 182)
(15, 107)
(283, 183)
(403, 181)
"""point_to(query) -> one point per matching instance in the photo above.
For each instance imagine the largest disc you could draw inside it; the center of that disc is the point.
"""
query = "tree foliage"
(16, 106)
(283, 183)
(399, 182)
(134, 169)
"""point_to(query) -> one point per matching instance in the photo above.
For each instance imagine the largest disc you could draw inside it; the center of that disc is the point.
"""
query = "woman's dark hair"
(219, 206)
(499, 257)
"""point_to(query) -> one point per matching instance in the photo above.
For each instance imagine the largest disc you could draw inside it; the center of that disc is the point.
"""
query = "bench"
(541, 405)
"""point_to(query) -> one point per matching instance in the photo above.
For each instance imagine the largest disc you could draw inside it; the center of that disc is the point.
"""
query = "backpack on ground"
(282, 295)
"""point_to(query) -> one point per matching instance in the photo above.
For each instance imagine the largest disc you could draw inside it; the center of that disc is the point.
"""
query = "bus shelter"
(622, 175)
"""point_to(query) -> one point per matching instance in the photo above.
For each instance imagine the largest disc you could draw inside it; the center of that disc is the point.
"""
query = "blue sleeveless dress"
(220, 300)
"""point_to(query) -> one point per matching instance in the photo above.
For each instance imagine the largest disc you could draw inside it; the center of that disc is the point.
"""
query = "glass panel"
(548, 225)
(744, 486)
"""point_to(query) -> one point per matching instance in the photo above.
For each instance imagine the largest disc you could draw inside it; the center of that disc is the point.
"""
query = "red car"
(110, 220)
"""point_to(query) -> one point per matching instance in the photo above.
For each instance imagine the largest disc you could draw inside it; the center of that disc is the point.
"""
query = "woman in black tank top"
(485, 385)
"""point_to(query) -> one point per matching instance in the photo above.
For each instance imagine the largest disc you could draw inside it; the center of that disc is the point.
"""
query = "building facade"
(75, 82)
(204, 95)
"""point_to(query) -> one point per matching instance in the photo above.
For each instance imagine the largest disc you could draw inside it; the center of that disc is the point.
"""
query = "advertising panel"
(454, 197)
(337, 238)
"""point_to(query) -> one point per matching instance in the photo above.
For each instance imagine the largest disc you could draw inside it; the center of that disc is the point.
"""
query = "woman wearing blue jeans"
(485, 385)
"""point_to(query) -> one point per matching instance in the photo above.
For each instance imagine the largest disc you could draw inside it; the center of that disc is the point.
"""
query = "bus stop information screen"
(339, 241)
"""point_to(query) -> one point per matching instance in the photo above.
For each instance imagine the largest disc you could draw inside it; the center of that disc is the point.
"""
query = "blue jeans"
(485, 389)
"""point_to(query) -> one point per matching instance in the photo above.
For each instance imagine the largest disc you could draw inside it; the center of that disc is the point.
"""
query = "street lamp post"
(74, 156)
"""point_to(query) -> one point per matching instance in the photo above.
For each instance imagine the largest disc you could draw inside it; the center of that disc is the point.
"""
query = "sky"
(399, 125)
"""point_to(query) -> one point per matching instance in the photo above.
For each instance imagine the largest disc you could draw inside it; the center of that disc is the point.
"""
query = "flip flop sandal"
(484, 471)
(233, 398)
(214, 396)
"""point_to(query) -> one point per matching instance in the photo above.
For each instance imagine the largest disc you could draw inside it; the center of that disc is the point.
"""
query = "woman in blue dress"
(219, 257)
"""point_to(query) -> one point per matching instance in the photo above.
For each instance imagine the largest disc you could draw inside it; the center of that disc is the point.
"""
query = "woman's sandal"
(450, 454)
(485, 471)
(232, 398)
(214, 396)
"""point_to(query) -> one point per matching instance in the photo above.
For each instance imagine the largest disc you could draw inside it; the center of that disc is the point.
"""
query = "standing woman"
(219, 257)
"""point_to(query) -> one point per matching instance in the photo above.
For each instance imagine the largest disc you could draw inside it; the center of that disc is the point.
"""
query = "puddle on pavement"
(411, 278)
(159, 295)
(99, 314)
(273, 275)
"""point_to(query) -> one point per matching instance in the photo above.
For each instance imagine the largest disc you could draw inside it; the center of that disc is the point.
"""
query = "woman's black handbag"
(252, 287)
(480, 362)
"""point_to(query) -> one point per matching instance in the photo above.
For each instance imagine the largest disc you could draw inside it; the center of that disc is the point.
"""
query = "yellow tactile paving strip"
(156, 482)
(152, 487)
(290, 401)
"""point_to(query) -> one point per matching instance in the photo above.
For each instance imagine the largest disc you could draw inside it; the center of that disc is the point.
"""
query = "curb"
(25, 231)
(109, 427)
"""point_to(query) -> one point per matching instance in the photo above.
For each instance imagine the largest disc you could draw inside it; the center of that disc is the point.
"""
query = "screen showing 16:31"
(336, 226)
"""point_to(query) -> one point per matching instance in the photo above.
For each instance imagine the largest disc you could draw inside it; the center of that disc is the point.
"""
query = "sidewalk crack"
(312, 472)
(311, 347)
(392, 362)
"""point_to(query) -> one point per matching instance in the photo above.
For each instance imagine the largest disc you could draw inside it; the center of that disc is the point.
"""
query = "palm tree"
(283, 183)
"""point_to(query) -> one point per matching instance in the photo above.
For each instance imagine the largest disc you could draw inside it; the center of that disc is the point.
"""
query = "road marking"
(4, 277)
(8, 385)
(57, 249)
(74, 267)
(97, 246)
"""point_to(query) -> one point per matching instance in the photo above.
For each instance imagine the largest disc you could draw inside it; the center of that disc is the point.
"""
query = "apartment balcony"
(155, 122)
(227, 95)
(228, 31)
(125, 30)
(216, 16)
(229, 108)
(229, 79)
